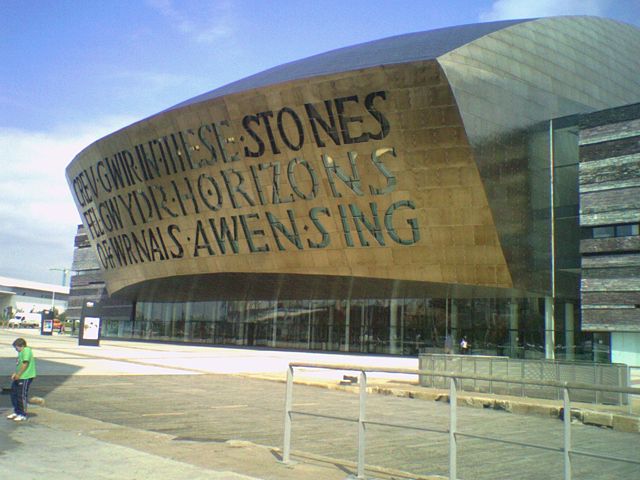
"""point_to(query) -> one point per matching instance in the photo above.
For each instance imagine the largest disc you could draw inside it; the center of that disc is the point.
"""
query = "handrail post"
(286, 451)
(453, 448)
(628, 384)
(361, 424)
(475, 372)
(567, 433)
(491, 375)
(621, 382)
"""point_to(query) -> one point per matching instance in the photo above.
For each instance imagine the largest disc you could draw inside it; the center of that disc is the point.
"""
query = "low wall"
(610, 374)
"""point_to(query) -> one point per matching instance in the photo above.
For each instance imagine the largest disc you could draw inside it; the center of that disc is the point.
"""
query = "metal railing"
(453, 432)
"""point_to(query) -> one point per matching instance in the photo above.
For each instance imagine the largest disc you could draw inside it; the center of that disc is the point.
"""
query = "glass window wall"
(493, 326)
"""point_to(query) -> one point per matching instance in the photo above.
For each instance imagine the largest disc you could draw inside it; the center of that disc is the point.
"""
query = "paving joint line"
(127, 360)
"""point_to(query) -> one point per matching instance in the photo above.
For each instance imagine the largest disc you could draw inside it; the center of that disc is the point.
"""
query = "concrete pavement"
(58, 443)
(123, 409)
(47, 448)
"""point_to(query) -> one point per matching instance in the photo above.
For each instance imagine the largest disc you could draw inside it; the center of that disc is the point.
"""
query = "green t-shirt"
(26, 355)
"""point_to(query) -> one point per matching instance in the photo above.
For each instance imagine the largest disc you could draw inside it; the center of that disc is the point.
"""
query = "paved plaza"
(128, 410)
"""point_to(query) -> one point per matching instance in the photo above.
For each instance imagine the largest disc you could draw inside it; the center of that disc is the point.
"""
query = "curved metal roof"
(405, 48)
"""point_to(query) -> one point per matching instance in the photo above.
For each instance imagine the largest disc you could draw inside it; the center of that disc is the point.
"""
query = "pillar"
(569, 339)
(330, 332)
(454, 322)
(402, 351)
(347, 325)
(309, 325)
(393, 326)
(549, 329)
(513, 328)
(364, 342)
(274, 326)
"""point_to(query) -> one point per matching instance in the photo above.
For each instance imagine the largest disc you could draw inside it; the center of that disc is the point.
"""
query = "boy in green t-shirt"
(21, 380)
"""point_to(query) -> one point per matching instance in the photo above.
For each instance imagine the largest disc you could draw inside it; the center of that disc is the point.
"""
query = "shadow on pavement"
(42, 385)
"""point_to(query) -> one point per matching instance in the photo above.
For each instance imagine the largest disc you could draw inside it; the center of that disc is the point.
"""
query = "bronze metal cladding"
(389, 167)
(360, 174)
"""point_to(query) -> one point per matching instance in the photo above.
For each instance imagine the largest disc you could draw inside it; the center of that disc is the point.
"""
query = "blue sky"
(72, 71)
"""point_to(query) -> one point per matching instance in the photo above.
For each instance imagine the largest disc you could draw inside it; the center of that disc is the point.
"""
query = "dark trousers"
(19, 395)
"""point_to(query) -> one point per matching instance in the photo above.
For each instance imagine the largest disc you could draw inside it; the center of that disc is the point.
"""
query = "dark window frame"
(613, 231)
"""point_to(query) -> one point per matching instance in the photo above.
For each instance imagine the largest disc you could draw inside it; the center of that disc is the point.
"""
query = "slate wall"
(610, 197)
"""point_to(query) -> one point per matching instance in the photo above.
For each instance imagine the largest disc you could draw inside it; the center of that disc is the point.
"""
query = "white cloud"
(203, 22)
(38, 217)
(511, 9)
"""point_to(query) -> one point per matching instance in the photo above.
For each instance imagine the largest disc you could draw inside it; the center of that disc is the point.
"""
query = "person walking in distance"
(464, 346)
(21, 380)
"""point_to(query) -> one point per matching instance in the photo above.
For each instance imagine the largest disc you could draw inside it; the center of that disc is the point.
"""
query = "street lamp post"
(64, 271)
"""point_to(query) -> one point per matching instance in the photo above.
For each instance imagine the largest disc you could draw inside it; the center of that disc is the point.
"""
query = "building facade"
(610, 217)
(87, 285)
(18, 295)
(385, 197)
